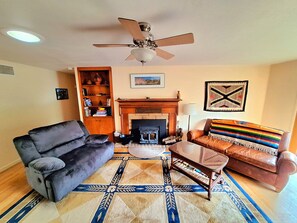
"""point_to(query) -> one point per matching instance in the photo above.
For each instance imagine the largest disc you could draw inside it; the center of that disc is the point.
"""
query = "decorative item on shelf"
(108, 100)
(87, 102)
(100, 103)
(84, 92)
(97, 79)
(84, 81)
(89, 82)
(87, 112)
(105, 82)
(189, 109)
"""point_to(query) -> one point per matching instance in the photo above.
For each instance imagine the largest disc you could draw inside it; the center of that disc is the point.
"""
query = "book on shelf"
(100, 112)
(97, 115)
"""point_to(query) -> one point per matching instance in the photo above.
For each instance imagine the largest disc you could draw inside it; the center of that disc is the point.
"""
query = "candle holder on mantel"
(178, 95)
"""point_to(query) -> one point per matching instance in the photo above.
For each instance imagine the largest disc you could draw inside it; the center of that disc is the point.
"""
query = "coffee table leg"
(210, 185)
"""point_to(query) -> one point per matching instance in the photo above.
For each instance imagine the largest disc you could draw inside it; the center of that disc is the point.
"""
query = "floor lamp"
(189, 109)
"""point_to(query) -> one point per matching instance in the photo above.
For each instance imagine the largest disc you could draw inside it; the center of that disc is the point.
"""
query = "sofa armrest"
(39, 169)
(193, 134)
(287, 163)
(46, 165)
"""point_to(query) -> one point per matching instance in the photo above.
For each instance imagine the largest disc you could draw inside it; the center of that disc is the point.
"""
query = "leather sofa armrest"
(193, 134)
(287, 163)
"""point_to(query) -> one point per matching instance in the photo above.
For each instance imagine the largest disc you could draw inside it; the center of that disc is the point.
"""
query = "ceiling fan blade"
(164, 54)
(132, 27)
(113, 45)
(176, 40)
(130, 57)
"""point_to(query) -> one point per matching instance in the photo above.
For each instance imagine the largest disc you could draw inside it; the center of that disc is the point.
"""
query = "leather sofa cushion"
(48, 137)
(254, 157)
(213, 143)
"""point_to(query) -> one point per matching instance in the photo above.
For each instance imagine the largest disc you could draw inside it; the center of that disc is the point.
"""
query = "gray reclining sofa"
(59, 157)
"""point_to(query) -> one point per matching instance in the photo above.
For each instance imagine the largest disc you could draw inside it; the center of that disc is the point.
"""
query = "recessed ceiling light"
(22, 35)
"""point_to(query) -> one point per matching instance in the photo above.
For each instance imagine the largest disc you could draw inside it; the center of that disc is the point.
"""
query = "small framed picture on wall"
(147, 80)
(62, 93)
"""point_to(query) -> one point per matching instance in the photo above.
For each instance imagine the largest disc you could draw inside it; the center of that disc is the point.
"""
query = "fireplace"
(158, 108)
(148, 131)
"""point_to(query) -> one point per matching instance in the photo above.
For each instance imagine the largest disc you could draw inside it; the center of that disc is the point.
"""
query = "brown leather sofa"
(273, 169)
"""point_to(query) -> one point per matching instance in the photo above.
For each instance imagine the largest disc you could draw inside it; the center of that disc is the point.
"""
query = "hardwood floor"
(280, 207)
(13, 186)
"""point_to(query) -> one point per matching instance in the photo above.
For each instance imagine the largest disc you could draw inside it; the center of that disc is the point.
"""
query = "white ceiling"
(226, 32)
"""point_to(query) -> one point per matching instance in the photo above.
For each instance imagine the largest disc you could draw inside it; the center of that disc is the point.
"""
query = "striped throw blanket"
(247, 134)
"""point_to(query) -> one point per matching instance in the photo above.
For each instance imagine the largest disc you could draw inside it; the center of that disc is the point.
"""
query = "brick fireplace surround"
(152, 108)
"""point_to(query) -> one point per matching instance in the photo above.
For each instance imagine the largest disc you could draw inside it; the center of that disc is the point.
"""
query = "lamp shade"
(143, 54)
(190, 109)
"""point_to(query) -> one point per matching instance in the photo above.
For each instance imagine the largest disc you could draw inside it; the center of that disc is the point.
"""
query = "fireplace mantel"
(148, 105)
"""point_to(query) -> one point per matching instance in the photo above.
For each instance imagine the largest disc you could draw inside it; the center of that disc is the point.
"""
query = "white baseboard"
(9, 165)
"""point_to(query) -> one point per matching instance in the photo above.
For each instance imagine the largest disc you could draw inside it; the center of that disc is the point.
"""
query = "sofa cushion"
(64, 148)
(80, 164)
(213, 143)
(48, 137)
(47, 164)
(96, 139)
(254, 157)
(247, 134)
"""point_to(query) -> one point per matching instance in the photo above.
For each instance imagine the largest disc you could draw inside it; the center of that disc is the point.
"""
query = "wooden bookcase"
(96, 99)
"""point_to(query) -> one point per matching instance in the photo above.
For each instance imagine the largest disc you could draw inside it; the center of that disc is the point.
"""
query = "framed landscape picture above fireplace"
(147, 80)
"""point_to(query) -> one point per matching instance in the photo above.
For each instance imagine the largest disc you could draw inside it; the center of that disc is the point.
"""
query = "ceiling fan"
(144, 46)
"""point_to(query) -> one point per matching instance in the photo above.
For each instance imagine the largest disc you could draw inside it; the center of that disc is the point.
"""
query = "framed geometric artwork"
(225, 96)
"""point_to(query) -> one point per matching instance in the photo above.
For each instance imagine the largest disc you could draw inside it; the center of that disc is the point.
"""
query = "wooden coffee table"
(201, 164)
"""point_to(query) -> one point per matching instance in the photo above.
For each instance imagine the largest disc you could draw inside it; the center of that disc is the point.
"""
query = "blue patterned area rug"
(131, 189)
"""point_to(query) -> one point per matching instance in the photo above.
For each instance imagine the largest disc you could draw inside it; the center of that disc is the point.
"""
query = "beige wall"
(190, 81)
(293, 144)
(281, 100)
(28, 100)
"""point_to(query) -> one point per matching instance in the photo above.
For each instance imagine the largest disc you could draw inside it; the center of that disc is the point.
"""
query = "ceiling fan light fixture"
(143, 55)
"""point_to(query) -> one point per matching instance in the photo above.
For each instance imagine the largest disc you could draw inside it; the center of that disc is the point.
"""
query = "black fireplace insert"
(149, 128)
